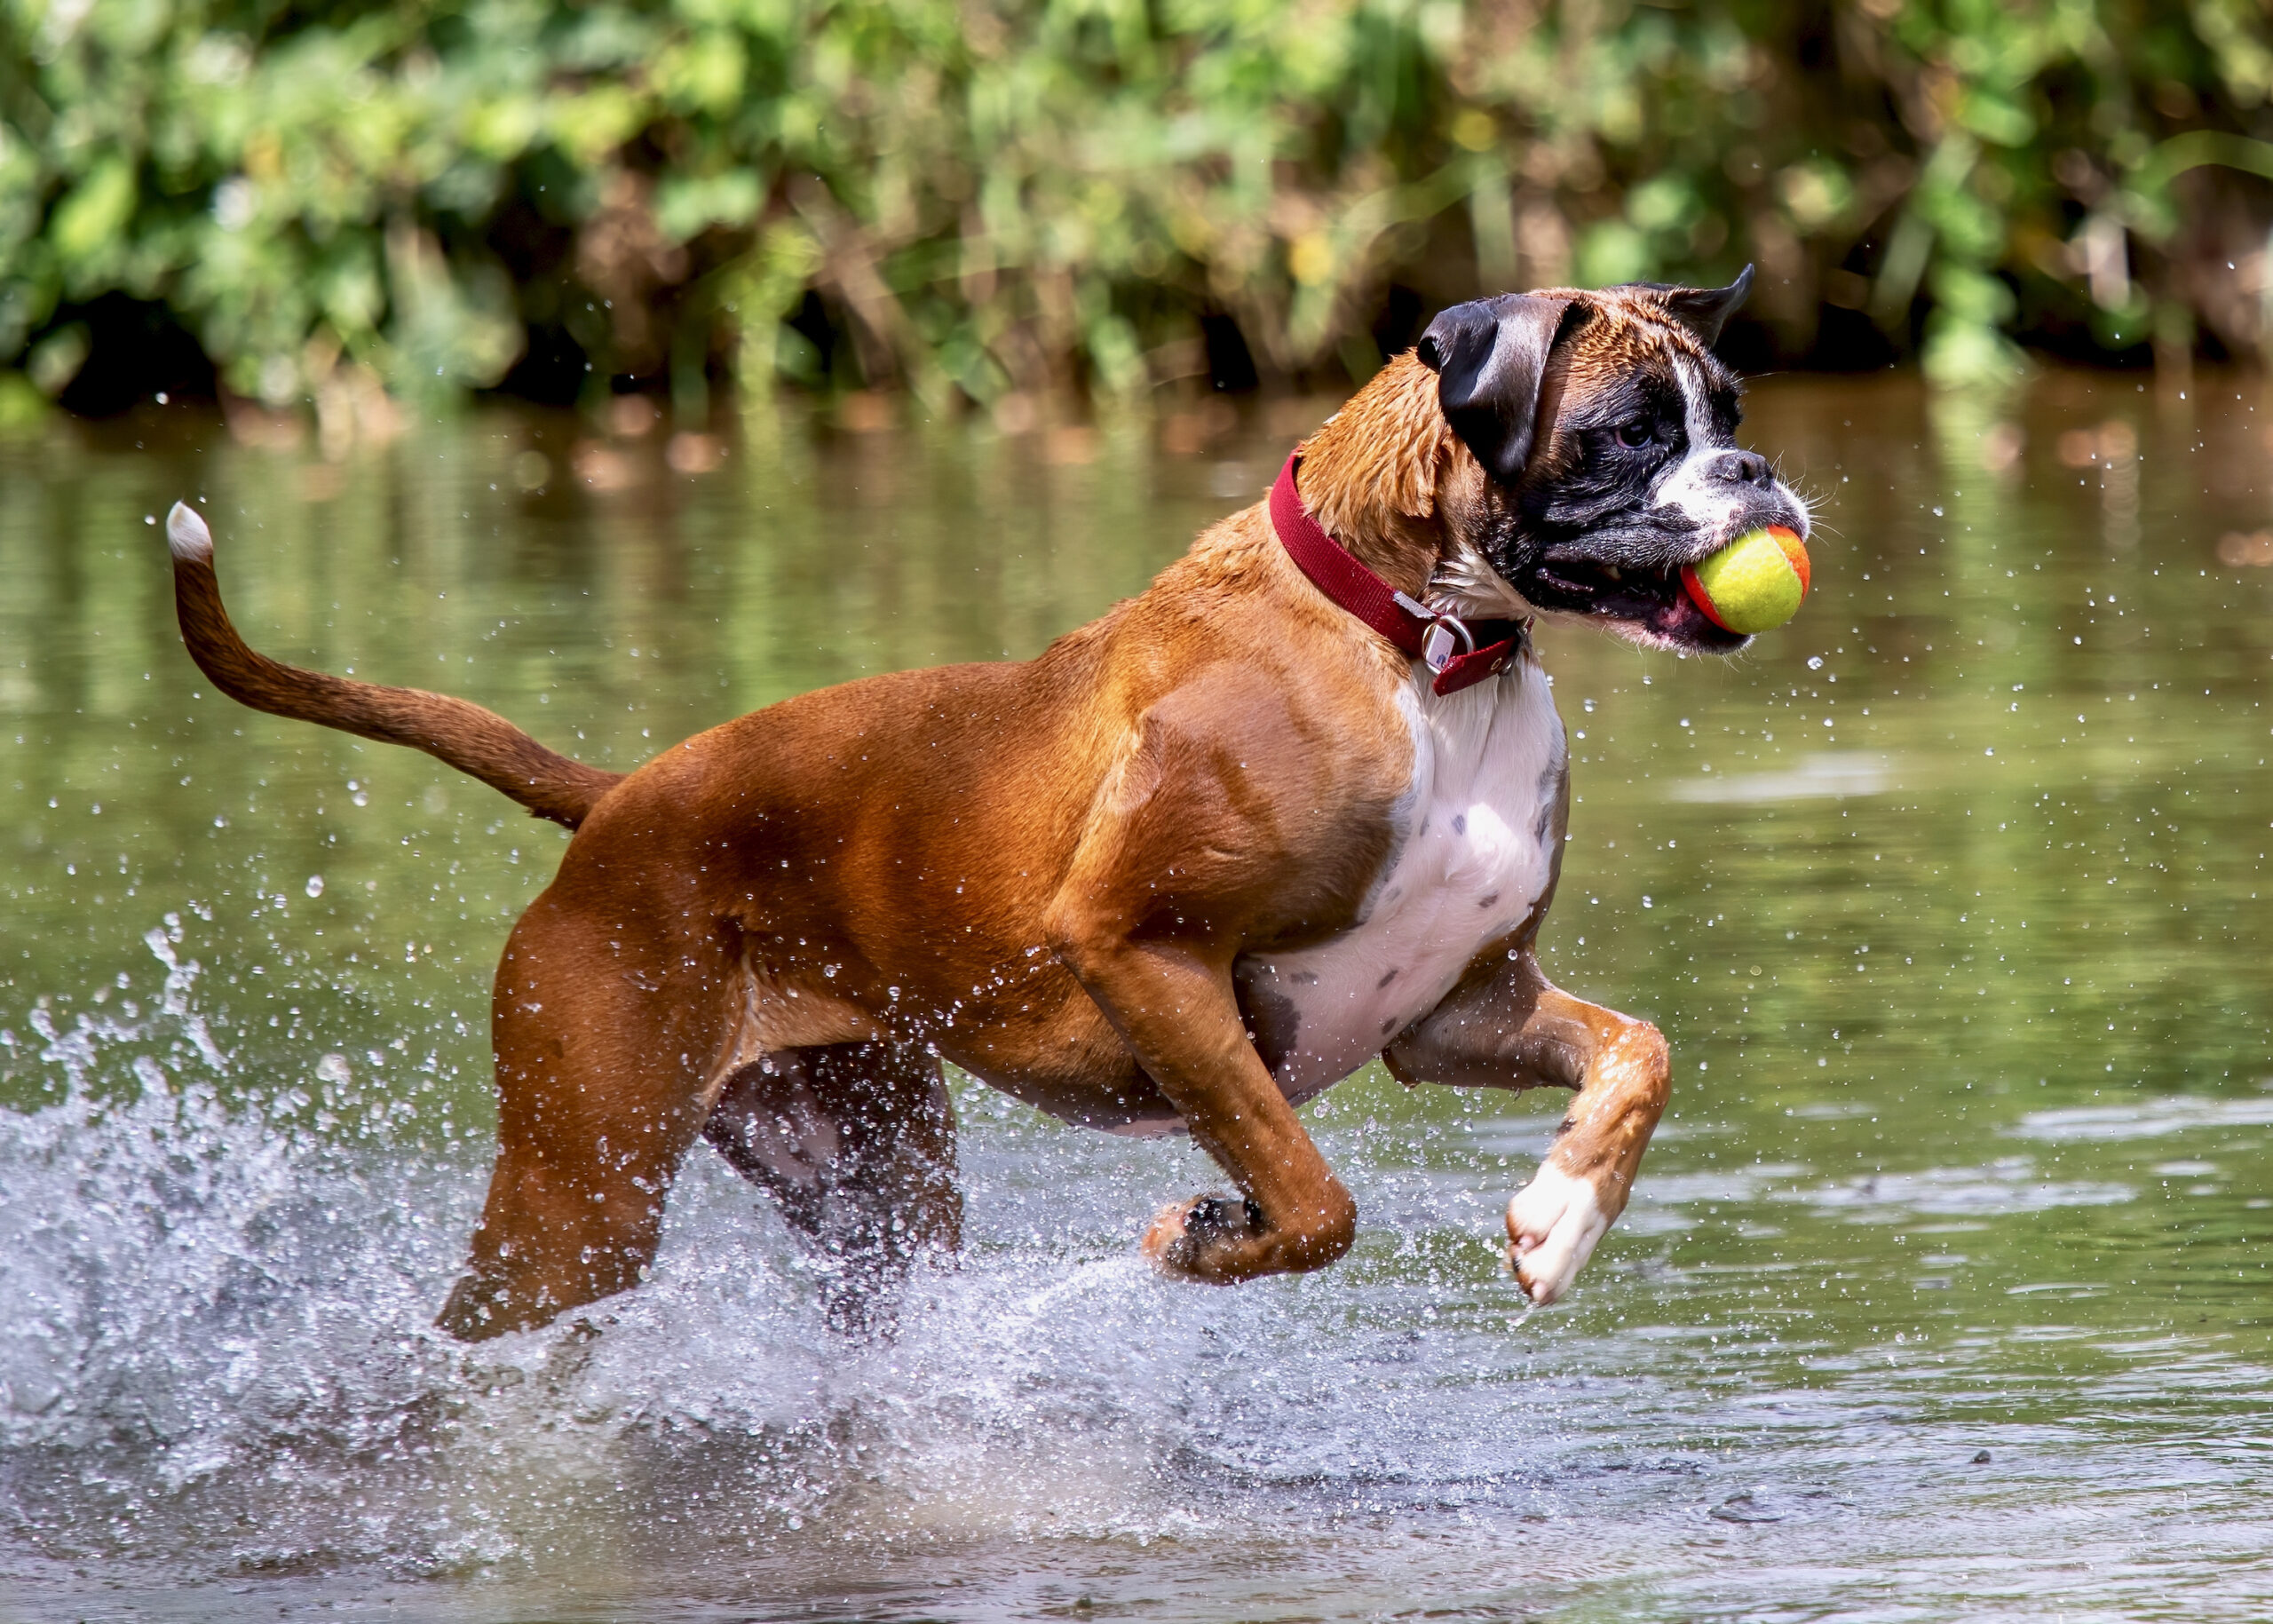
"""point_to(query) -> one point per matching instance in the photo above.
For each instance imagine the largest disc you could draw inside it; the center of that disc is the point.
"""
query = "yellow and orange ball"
(1754, 584)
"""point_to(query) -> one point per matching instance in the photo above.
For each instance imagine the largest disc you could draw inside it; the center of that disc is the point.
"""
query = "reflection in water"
(1945, 1290)
(1833, 773)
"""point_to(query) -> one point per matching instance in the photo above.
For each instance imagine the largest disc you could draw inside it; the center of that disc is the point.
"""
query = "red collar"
(1460, 652)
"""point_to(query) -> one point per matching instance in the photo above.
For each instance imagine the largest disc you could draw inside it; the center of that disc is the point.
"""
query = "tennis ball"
(1756, 583)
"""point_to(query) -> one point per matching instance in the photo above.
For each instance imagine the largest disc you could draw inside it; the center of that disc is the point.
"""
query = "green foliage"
(992, 196)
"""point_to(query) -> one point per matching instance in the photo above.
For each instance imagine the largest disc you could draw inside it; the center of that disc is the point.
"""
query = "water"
(1944, 1292)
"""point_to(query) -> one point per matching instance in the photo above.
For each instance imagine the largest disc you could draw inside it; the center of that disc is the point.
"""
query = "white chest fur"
(1474, 857)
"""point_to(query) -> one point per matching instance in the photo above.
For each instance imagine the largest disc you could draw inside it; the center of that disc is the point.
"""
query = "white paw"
(1553, 1224)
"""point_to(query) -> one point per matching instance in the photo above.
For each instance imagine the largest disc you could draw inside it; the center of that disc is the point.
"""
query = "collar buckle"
(1447, 637)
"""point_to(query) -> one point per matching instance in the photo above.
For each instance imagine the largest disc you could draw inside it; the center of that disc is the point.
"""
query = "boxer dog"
(1300, 803)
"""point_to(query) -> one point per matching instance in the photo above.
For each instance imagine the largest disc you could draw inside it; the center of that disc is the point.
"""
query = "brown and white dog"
(1194, 863)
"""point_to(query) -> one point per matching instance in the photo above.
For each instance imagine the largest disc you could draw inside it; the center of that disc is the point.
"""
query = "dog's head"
(1605, 429)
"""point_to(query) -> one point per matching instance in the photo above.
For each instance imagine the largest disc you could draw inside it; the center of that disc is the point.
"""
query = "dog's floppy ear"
(1703, 311)
(1489, 358)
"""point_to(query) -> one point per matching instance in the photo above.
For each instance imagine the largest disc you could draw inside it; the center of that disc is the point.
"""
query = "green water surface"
(1944, 1293)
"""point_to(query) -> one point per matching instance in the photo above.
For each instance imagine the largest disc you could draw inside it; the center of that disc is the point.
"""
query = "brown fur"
(476, 742)
(1041, 872)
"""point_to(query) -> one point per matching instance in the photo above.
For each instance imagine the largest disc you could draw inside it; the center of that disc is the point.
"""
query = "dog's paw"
(1186, 1237)
(1553, 1224)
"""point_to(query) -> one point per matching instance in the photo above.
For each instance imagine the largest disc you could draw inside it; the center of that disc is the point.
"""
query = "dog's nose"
(1742, 468)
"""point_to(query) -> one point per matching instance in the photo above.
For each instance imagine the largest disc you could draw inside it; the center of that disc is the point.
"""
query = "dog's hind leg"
(607, 1032)
(857, 1142)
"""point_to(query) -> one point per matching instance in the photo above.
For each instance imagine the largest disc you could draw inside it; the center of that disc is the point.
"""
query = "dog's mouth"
(1649, 606)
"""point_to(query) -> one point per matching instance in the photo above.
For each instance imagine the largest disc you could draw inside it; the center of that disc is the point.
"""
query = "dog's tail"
(473, 740)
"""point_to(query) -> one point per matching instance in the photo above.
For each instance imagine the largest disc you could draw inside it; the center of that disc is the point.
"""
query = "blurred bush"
(1003, 200)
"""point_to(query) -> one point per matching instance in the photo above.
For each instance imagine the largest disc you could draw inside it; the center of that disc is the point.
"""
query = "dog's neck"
(1371, 476)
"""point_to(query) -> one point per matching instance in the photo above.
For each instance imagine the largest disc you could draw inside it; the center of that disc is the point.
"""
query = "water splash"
(219, 1361)
(174, 995)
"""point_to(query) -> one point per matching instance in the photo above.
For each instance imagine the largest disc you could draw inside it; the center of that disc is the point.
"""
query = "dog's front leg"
(1178, 1014)
(1506, 1027)
(1149, 920)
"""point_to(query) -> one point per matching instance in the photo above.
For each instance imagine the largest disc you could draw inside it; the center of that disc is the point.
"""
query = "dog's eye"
(1634, 435)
